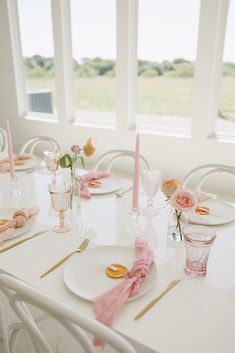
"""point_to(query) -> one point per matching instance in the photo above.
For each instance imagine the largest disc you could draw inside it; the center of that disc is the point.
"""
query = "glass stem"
(150, 201)
(61, 216)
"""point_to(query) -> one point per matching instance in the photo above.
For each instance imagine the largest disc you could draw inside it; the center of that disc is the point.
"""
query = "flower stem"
(178, 223)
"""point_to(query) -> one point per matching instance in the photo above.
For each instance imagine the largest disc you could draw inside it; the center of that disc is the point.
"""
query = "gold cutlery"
(23, 240)
(121, 193)
(80, 248)
(155, 300)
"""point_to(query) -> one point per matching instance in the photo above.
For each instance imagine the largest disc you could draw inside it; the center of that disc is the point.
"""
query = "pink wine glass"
(52, 163)
(151, 181)
(60, 200)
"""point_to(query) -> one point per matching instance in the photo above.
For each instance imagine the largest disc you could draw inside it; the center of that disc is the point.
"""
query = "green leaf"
(66, 161)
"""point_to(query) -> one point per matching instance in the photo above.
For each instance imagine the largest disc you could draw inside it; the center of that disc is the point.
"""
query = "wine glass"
(151, 181)
(60, 200)
(52, 163)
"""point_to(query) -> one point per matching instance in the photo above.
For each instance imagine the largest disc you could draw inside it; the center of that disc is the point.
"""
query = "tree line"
(38, 66)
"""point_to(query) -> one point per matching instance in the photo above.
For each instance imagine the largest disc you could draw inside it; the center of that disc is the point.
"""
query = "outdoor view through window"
(38, 54)
(226, 113)
(167, 44)
(94, 54)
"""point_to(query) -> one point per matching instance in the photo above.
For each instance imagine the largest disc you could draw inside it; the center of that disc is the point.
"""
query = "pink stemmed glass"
(60, 200)
(151, 181)
(52, 163)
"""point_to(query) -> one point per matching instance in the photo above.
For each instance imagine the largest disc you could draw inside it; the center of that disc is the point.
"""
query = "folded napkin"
(20, 218)
(108, 305)
(21, 157)
(203, 196)
(85, 179)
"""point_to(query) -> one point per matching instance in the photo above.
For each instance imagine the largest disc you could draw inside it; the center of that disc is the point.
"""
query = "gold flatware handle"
(81, 248)
(155, 300)
(23, 240)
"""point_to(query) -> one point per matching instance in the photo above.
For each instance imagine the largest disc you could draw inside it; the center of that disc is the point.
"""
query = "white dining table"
(197, 315)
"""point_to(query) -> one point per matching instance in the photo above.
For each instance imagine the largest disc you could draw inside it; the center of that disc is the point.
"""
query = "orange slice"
(94, 184)
(116, 270)
(202, 210)
(19, 163)
(3, 221)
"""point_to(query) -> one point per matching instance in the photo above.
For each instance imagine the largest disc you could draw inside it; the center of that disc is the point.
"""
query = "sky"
(167, 29)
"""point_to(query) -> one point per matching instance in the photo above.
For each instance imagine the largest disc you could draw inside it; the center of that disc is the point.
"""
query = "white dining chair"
(201, 174)
(22, 296)
(33, 143)
(109, 158)
(3, 141)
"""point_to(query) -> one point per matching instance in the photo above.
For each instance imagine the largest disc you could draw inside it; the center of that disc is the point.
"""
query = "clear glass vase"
(75, 201)
(174, 231)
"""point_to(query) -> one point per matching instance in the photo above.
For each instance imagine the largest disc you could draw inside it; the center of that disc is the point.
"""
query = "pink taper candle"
(135, 199)
(10, 152)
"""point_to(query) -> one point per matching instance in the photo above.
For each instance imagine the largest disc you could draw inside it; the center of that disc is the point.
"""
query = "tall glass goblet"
(60, 200)
(151, 181)
(52, 163)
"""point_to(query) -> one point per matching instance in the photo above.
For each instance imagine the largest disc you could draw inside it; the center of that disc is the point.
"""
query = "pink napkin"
(85, 179)
(20, 218)
(203, 196)
(4, 163)
(108, 305)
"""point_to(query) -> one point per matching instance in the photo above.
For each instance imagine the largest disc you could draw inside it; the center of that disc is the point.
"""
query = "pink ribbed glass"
(198, 241)
(151, 181)
(60, 200)
(52, 163)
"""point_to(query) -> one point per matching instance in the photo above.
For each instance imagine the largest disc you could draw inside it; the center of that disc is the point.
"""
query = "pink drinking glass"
(60, 200)
(52, 163)
(151, 181)
(198, 241)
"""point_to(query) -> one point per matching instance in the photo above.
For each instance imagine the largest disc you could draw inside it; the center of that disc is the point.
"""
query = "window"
(38, 55)
(167, 42)
(226, 113)
(94, 53)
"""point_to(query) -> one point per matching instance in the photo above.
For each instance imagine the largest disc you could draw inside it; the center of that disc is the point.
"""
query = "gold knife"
(155, 300)
(23, 240)
(80, 248)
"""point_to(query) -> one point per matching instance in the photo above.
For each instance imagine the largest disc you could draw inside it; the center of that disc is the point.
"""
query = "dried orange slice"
(202, 210)
(116, 270)
(3, 221)
(19, 163)
(94, 184)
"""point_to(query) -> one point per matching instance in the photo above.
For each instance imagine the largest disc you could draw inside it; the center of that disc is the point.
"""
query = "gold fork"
(80, 248)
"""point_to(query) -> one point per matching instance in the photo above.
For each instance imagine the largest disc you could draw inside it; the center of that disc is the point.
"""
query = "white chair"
(31, 145)
(205, 171)
(21, 296)
(3, 140)
(110, 157)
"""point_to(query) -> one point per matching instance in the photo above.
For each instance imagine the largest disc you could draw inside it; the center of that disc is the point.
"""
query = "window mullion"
(208, 67)
(63, 59)
(126, 64)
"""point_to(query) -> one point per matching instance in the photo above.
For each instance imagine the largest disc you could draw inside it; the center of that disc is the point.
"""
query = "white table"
(198, 315)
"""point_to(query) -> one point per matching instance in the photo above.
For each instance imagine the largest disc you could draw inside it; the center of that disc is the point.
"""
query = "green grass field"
(156, 95)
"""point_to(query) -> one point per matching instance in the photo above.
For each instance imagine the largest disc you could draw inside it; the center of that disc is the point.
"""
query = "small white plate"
(108, 185)
(8, 214)
(221, 212)
(29, 164)
(85, 276)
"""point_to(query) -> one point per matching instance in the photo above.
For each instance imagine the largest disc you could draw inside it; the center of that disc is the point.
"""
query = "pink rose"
(183, 200)
(75, 148)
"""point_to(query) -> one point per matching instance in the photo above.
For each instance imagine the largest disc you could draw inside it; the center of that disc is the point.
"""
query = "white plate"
(85, 274)
(29, 164)
(221, 212)
(8, 214)
(108, 185)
